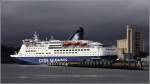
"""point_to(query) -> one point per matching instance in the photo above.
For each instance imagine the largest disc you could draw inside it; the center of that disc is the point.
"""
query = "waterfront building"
(133, 44)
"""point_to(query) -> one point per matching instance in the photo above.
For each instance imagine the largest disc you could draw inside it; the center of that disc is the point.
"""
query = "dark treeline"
(6, 52)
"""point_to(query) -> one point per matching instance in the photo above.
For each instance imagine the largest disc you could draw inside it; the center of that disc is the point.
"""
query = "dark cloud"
(103, 20)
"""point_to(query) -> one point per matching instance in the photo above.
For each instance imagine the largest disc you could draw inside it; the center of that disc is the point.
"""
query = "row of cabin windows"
(38, 53)
(65, 52)
(50, 47)
(59, 53)
(36, 48)
(69, 55)
(62, 53)
(74, 50)
(30, 50)
(55, 42)
(68, 52)
(43, 53)
(55, 53)
(55, 45)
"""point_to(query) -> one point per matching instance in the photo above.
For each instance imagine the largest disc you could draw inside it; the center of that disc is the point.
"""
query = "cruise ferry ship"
(74, 49)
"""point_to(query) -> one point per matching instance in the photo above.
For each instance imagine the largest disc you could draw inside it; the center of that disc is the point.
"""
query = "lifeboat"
(75, 43)
(67, 43)
(83, 44)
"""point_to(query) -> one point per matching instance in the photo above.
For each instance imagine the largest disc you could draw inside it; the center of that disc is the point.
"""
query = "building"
(122, 45)
(122, 48)
(132, 45)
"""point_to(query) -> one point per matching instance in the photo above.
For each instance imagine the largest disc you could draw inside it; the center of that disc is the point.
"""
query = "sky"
(103, 20)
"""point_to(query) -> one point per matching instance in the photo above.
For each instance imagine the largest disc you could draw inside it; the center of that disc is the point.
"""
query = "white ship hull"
(75, 49)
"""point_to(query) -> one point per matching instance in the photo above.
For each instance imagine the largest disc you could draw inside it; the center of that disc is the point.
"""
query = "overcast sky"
(103, 20)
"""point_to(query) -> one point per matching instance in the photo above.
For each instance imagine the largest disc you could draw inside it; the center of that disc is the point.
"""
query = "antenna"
(52, 37)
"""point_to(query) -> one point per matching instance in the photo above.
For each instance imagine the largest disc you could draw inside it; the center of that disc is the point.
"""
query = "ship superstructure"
(75, 49)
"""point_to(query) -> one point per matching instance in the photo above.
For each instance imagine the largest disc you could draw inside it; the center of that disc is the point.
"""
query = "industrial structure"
(132, 45)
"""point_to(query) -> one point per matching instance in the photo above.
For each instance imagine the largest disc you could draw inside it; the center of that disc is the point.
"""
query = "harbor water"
(15, 73)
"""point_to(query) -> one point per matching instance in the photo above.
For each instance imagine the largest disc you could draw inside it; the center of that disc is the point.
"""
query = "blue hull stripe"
(44, 60)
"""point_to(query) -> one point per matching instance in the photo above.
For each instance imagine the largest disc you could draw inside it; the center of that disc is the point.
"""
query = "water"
(15, 73)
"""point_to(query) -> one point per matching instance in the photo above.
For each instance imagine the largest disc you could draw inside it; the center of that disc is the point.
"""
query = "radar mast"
(35, 36)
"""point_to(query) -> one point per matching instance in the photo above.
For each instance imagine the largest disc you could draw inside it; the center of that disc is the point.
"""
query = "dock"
(102, 64)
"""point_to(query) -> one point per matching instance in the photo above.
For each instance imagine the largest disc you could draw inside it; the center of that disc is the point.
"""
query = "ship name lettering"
(43, 60)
